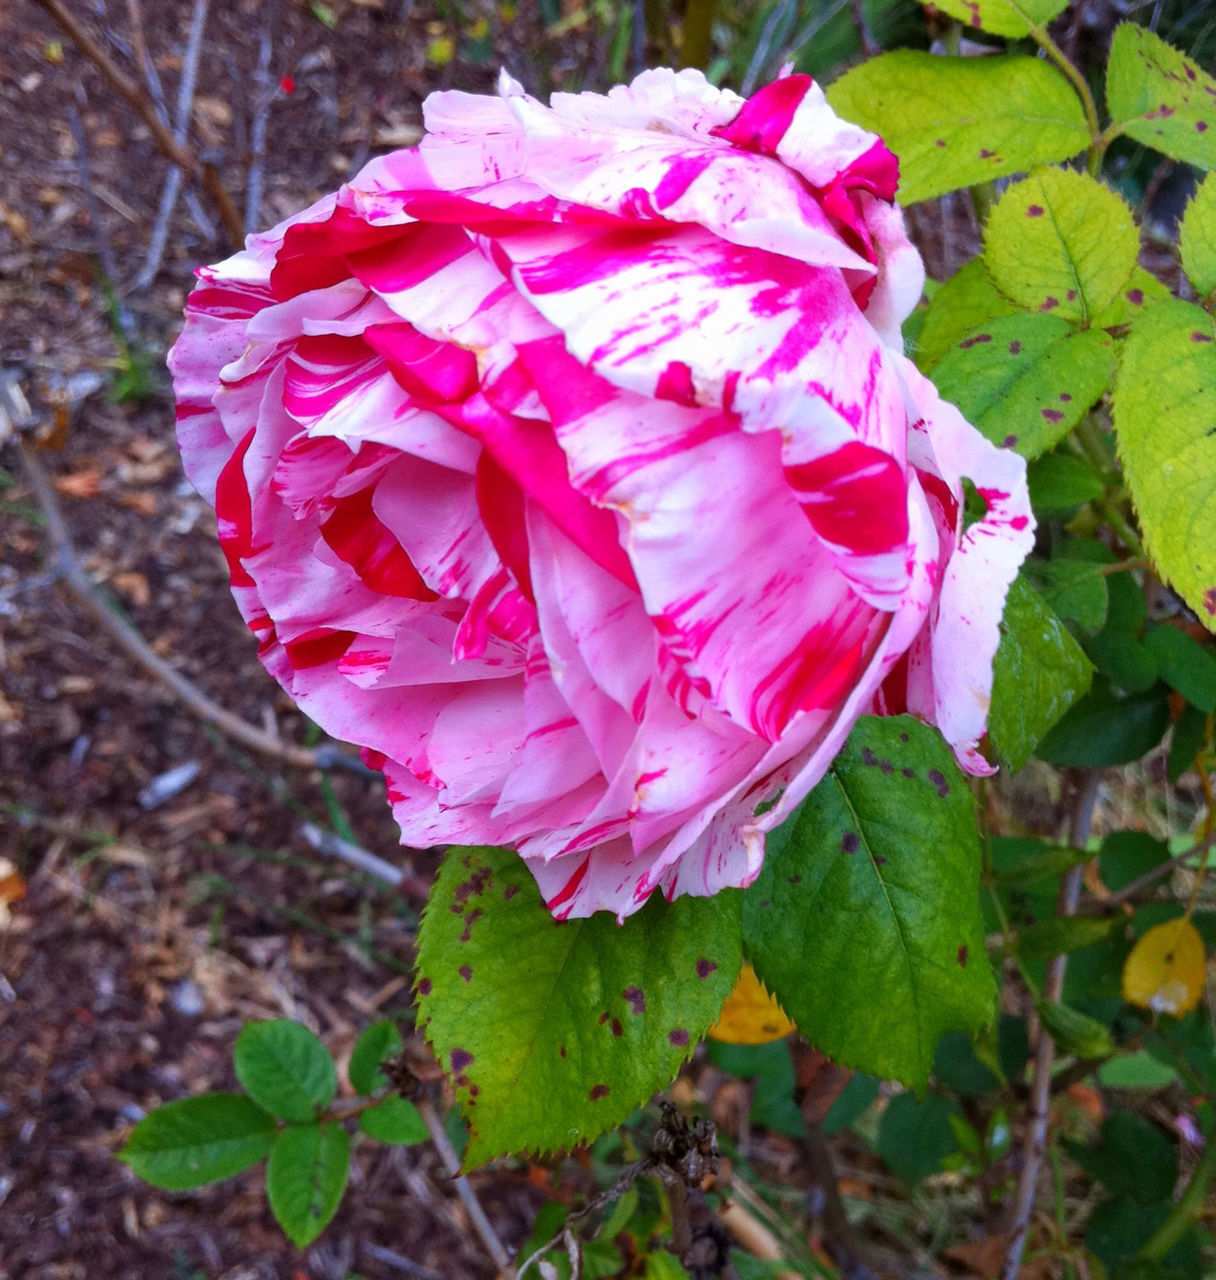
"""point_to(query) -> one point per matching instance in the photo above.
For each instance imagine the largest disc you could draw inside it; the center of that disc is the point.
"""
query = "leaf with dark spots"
(886, 922)
(962, 956)
(974, 341)
(678, 1037)
(793, 880)
(868, 757)
(705, 967)
(424, 986)
(466, 972)
(1014, 347)
(1051, 415)
(1135, 297)
(1035, 211)
(1049, 303)
(529, 1034)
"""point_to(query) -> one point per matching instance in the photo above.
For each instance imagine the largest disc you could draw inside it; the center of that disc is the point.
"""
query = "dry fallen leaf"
(12, 889)
(134, 586)
(80, 484)
(1166, 968)
(750, 1015)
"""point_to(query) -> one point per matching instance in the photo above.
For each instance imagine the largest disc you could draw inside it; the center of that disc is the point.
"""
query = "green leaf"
(1060, 481)
(285, 1069)
(1118, 1228)
(955, 122)
(1060, 242)
(1074, 590)
(198, 1140)
(662, 1265)
(1039, 673)
(1062, 935)
(379, 1041)
(1001, 17)
(1189, 732)
(864, 922)
(915, 1134)
(395, 1120)
(1141, 291)
(1123, 660)
(554, 1032)
(1197, 238)
(962, 305)
(1026, 380)
(1165, 405)
(305, 1178)
(1133, 1158)
(1017, 862)
(1136, 1071)
(1185, 665)
(1105, 729)
(1158, 96)
(1075, 1032)
(956, 1067)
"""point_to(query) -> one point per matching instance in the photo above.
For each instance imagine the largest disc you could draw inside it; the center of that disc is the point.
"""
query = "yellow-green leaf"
(1197, 238)
(1158, 96)
(1165, 970)
(1165, 422)
(750, 1015)
(954, 122)
(966, 301)
(1001, 17)
(1060, 242)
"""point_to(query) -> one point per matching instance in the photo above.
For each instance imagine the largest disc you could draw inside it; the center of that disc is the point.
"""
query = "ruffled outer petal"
(570, 466)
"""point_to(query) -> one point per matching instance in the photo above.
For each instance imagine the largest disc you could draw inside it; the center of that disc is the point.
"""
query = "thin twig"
(472, 1206)
(1035, 1142)
(138, 99)
(1134, 888)
(105, 253)
(185, 103)
(82, 587)
(334, 846)
(261, 117)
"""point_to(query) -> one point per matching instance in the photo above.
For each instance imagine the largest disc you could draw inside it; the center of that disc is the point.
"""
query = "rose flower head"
(570, 464)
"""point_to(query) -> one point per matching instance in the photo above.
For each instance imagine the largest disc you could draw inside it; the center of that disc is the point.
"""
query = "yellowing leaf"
(750, 1015)
(1165, 970)
(440, 51)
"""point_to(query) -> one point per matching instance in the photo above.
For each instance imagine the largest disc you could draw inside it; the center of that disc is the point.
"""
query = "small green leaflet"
(1197, 238)
(554, 1032)
(1159, 97)
(1185, 665)
(955, 122)
(1026, 380)
(379, 1041)
(1165, 414)
(864, 922)
(965, 302)
(395, 1120)
(1001, 17)
(1140, 291)
(305, 1178)
(194, 1141)
(1060, 242)
(285, 1068)
(1039, 672)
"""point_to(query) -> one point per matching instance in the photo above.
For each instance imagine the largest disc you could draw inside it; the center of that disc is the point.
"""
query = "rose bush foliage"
(570, 464)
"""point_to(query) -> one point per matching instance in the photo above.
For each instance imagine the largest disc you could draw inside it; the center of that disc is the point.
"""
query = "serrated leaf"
(285, 1069)
(1001, 17)
(1165, 970)
(750, 1015)
(955, 122)
(1039, 673)
(864, 922)
(965, 302)
(379, 1041)
(305, 1178)
(1185, 665)
(395, 1120)
(1140, 291)
(554, 1032)
(1061, 243)
(1026, 380)
(198, 1140)
(1159, 97)
(1197, 238)
(1165, 408)
(1060, 481)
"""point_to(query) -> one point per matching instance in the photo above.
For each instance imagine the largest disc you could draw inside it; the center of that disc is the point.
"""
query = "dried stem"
(1035, 1142)
(135, 645)
(472, 1206)
(141, 103)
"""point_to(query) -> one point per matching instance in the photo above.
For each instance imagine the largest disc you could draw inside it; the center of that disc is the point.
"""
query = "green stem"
(696, 42)
(1186, 1210)
(1079, 83)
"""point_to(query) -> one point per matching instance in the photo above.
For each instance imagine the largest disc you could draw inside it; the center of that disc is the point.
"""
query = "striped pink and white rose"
(570, 465)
